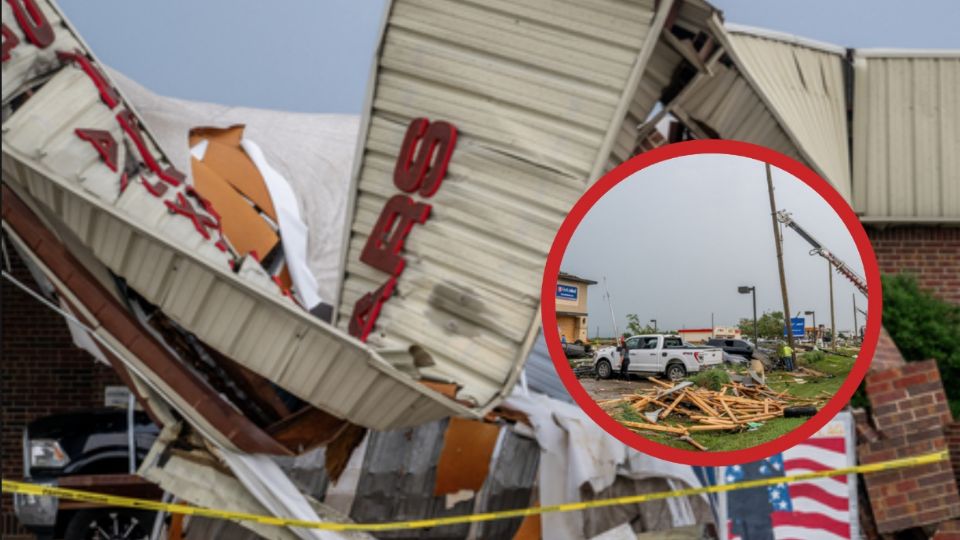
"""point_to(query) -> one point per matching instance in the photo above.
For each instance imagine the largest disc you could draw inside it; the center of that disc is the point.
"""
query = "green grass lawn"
(810, 387)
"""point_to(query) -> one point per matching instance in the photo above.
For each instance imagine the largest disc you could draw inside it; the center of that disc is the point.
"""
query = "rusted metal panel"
(537, 92)
(400, 471)
(906, 132)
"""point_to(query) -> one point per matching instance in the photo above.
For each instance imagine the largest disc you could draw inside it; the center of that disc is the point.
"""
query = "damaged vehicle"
(661, 354)
(99, 448)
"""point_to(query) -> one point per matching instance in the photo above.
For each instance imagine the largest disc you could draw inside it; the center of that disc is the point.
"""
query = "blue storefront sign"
(566, 292)
(797, 325)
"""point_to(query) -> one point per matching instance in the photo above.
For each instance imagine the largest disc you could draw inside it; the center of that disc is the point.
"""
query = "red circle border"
(698, 147)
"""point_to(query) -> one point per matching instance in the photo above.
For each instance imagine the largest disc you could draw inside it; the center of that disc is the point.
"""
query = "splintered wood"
(732, 408)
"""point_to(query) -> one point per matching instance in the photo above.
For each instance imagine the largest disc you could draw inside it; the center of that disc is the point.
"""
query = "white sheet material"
(199, 150)
(313, 152)
(575, 451)
(340, 494)
(267, 482)
(293, 231)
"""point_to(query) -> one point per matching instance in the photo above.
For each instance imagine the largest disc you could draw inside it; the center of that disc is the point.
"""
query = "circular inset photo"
(711, 302)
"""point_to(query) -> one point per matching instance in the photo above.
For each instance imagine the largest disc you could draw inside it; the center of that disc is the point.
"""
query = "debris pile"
(737, 406)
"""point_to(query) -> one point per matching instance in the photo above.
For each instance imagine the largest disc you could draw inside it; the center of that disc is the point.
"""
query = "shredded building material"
(732, 408)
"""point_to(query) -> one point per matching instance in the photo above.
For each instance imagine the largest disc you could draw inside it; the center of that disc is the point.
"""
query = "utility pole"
(833, 320)
(711, 321)
(778, 241)
(616, 333)
(856, 325)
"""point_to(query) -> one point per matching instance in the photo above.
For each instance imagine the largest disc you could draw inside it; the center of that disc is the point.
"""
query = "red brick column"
(910, 413)
(42, 373)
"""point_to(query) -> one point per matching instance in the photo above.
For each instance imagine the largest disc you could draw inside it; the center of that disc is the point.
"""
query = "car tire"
(85, 524)
(604, 370)
(676, 372)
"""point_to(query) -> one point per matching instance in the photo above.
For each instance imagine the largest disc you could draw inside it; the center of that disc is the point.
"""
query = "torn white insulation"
(293, 231)
(576, 452)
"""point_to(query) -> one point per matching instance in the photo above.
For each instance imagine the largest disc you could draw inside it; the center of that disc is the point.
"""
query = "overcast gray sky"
(675, 241)
(314, 56)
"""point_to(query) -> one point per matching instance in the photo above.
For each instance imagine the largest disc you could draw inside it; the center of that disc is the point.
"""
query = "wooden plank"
(670, 408)
(654, 427)
(660, 383)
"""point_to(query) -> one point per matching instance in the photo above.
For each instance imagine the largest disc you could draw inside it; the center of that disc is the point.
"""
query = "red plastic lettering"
(129, 124)
(397, 217)
(201, 222)
(433, 144)
(33, 22)
(103, 142)
(157, 190)
(10, 40)
(367, 310)
(108, 93)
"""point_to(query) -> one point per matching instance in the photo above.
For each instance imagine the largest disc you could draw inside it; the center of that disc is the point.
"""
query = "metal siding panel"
(926, 148)
(163, 257)
(541, 374)
(727, 104)
(804, 87)
(949, 136)
(906, 122)
(534, 91)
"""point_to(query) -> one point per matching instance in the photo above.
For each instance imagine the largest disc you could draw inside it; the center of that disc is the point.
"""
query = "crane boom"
(842, 268)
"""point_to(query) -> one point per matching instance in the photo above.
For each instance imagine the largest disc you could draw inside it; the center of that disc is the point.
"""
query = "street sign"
(797, 324)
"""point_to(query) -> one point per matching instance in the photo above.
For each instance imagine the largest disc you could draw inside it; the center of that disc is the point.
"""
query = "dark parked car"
(87, 447)
(739, 347)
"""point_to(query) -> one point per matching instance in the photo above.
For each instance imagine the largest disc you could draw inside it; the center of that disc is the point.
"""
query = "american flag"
(822, 508)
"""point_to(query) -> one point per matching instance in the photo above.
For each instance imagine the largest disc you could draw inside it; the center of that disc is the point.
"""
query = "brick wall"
(930, 253)
(908, 398)
(910, 413)
(42, 373)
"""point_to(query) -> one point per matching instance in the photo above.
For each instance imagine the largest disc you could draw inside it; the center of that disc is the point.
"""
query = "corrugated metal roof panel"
(537, 91)
(399, 473)
(165, 257)
(804, 88)
(906, 132)
(540, 373)
(728, 105)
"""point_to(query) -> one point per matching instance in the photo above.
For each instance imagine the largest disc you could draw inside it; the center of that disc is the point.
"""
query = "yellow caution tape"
(111, 500)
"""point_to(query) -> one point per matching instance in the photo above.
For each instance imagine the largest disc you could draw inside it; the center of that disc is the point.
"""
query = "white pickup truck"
(658, 353)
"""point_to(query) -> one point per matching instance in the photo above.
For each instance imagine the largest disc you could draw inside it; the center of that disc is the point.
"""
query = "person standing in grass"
(786, 357)
(624, 360)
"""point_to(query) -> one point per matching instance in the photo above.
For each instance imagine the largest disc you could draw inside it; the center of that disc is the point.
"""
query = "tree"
(924, 327)
(770, 326)
(634, 328)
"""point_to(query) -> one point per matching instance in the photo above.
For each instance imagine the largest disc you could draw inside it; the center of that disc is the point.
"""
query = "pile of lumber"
(732, 408)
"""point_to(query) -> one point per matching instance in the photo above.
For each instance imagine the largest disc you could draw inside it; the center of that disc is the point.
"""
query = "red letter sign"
(10, 41)
(398, 216)
(104, 143)
(433, 145)
(367, 309)
(32, 21)
(426, 172)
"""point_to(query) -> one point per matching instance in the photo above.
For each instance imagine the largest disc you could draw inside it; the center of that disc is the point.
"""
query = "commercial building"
(699, 335)
(572, 306)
